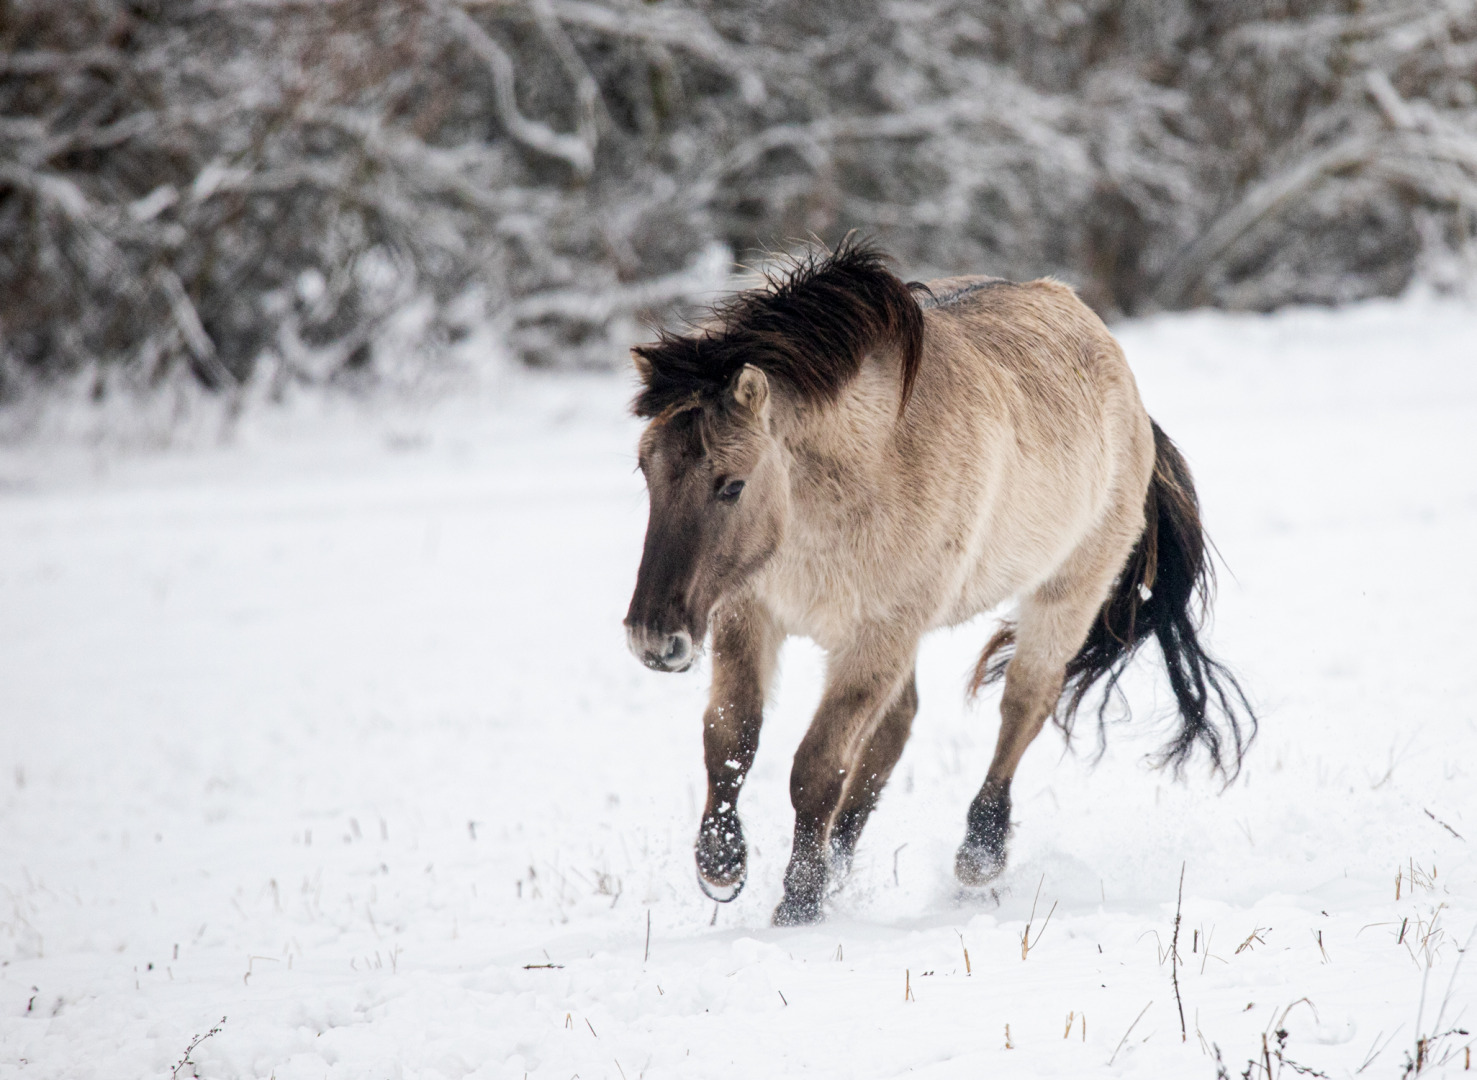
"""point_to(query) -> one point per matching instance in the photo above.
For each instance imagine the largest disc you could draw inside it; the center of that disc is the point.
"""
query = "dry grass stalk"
(1129, 1032)
(1443, 824)
(1026, 943)
(1254, 936)
(1174, 955)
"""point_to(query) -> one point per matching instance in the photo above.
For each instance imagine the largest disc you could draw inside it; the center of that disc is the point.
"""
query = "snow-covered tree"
(261, 189)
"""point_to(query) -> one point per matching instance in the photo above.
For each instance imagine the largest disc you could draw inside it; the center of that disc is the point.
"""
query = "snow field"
(332, 732)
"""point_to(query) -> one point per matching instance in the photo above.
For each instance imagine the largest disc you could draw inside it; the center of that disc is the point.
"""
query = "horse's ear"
(643, 364)
(750, 389)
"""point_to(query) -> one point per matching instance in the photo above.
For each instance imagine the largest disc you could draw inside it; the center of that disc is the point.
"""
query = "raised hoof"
(721, 893)
(794, 911)
(977, 864)
(722, 858)
(982, 855)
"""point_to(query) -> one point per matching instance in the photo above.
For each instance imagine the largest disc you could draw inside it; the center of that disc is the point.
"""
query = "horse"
(840, 455)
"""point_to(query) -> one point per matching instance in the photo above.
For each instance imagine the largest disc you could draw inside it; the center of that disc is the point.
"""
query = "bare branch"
(1396, 111)
(187, 319)
(1188, 268)
(702, 278)
(59, 63)
(587, 90)
(672, 26)
(573, 150)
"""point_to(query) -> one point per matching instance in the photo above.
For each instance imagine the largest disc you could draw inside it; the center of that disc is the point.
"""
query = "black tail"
(1163, 592)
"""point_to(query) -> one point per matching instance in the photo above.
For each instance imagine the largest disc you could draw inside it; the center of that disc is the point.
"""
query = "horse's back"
(1061, 365)
(946, 292)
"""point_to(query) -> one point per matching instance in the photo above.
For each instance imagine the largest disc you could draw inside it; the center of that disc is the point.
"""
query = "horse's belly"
(980, 592)
(1021, 544)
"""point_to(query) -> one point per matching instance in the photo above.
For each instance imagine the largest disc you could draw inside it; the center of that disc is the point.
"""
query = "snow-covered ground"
(327, 741)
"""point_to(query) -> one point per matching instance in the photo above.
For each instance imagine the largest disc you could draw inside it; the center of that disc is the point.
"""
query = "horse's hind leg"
(1032, 686)
(745, 644)
(870, 776)
(1053, 624)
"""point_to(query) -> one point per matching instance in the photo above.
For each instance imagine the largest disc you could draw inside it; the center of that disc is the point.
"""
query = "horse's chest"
(820, 593)
(827, 582)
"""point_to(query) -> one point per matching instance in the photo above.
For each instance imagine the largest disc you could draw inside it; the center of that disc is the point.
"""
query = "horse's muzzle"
(660, 652)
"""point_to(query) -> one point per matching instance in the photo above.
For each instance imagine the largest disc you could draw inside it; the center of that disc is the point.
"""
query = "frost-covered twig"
(196, 1041)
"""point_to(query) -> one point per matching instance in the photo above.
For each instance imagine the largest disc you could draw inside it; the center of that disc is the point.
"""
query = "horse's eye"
(729, 492)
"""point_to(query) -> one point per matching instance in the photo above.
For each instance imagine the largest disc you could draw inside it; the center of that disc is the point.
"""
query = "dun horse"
(843, 456)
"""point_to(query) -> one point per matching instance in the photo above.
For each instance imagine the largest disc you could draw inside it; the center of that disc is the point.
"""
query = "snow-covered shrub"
(263, 189)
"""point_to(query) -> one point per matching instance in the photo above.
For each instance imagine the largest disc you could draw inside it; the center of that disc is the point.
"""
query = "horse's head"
(719, 491)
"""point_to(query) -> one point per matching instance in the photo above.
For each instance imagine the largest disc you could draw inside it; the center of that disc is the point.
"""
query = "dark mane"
(810, 326)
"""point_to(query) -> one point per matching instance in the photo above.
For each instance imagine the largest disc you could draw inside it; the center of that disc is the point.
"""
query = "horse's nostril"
(678, 651)
(661, 652)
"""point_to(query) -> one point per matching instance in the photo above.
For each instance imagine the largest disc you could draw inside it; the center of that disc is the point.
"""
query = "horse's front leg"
(745, 644)
(861, 685)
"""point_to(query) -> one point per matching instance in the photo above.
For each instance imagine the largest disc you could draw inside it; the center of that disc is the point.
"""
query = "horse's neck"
(841, 458)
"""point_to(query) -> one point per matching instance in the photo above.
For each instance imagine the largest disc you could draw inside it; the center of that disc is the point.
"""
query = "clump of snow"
(330, 731)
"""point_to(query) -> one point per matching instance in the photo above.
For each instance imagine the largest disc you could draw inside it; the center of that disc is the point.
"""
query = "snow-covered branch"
(577, 151)
(227, 186)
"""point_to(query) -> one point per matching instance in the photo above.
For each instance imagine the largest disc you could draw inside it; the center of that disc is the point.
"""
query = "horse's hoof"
(723, 893)
(794, 911)
(839, 863)
(977, 864)
(982, 855)
(722, 858)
